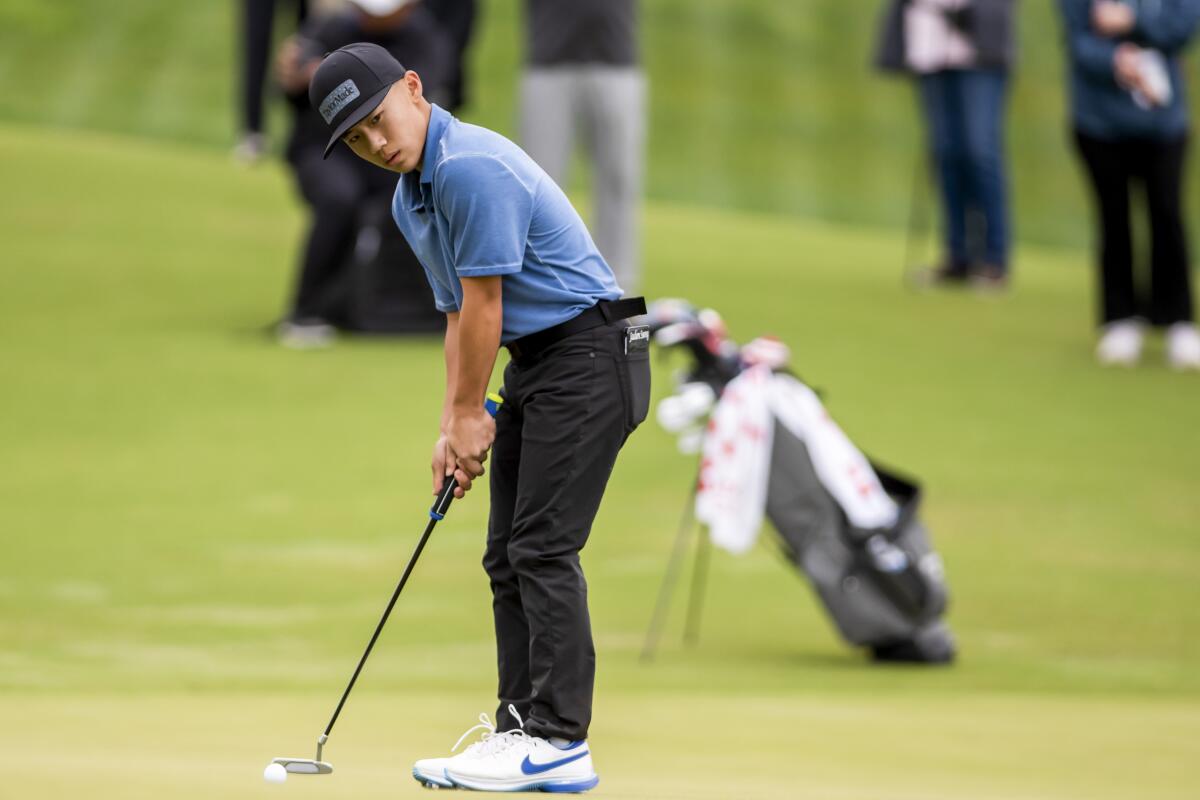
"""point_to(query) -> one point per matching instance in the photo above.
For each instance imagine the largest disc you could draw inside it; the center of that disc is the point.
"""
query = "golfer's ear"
(412, 81)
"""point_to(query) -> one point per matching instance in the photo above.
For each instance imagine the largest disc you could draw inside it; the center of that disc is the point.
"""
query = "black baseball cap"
(349, 84)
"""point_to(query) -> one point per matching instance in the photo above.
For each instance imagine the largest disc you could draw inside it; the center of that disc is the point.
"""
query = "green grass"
(758, 104)
(199, 528)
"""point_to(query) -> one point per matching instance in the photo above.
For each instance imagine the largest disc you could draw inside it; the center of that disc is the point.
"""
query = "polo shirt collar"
(439, 120)
(418, 190)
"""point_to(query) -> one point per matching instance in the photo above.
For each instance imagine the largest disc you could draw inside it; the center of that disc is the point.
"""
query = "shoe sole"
(432, 782)
(558, 785)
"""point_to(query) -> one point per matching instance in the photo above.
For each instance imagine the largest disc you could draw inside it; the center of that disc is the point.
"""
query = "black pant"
(258, 18)
(1159, 167)
(566, 414)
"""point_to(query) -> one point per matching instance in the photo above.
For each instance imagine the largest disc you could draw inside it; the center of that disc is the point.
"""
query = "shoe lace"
(491, 741)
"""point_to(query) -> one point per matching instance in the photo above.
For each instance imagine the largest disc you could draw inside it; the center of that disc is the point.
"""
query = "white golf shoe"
(1183, 346)
(306, 334)
(431, 773)
(512, 761)
(1121, 344)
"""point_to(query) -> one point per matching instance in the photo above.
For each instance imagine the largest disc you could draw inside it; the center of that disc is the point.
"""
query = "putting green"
(778, 745)
(200, 529)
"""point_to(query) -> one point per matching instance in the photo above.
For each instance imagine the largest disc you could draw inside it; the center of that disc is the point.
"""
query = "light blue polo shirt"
(481, 206)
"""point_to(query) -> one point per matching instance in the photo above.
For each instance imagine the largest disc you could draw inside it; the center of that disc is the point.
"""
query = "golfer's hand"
(442, 465)
(469, 436)
(1111, 18)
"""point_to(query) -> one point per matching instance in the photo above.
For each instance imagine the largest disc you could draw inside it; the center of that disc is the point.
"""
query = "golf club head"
(304, 766)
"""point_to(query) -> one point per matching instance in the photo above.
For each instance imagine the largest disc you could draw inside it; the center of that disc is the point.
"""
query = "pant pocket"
(634, 377)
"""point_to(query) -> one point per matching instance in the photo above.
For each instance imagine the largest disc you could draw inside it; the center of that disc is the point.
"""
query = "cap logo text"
(342, 95)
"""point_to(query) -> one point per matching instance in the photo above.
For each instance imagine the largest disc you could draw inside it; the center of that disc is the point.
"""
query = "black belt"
(602, 313)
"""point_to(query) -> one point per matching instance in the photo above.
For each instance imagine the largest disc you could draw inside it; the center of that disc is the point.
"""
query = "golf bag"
(884, 588)
(770, 449)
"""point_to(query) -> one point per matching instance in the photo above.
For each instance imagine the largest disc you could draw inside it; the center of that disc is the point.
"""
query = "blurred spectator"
(457, 18)
(258, 20)
(336, 188)
(961, 52)
(583, 80)
(1131, 126)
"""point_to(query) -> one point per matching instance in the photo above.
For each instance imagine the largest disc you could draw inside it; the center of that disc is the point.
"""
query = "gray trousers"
(605, 107)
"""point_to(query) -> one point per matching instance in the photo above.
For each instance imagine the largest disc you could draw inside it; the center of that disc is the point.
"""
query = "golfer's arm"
(478, 340)
(451, 352)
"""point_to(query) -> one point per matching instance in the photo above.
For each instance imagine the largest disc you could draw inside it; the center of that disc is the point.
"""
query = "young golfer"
(511, 264)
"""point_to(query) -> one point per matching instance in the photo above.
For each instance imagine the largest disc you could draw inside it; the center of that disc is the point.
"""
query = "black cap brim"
(367, 107)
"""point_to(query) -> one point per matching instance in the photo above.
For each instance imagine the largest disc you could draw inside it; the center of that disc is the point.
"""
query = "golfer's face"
(393, 135)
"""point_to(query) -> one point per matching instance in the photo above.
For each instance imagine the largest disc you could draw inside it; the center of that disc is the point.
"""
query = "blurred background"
(755, 105)
(200, 526)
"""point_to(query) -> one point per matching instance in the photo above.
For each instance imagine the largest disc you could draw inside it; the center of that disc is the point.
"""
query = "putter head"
(304, 766)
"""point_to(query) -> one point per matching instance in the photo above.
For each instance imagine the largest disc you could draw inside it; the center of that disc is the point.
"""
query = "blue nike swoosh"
(529, 768)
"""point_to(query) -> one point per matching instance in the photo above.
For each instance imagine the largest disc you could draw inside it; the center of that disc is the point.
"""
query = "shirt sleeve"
(488, 209)
(1167, 25)
(442, 297)
(1093, 53)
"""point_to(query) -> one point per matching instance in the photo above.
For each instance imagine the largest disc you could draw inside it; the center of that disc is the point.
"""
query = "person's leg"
(984, 96)
(578, 410)
(258, 17)
(1170, 278)
(512, 629)
(333, 188)
(614, 115)
(257, 20)
(939, 94)
(1108, 172)
(548, 108)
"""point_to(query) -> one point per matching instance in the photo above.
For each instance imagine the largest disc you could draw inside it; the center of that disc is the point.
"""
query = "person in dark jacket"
(257, 25)
(457, 18)
(1130, 120)
(961, 52)
(335, 188)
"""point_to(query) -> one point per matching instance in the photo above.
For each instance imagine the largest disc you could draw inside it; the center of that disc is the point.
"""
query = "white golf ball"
(275, 773)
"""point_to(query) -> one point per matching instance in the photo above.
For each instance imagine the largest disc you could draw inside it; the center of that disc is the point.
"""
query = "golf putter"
(315, 766)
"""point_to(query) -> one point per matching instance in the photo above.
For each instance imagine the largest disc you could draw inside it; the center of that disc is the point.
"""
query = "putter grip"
(492, 405)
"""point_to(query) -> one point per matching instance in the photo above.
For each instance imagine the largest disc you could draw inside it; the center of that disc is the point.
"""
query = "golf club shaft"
(436, 513)
(443, 502)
